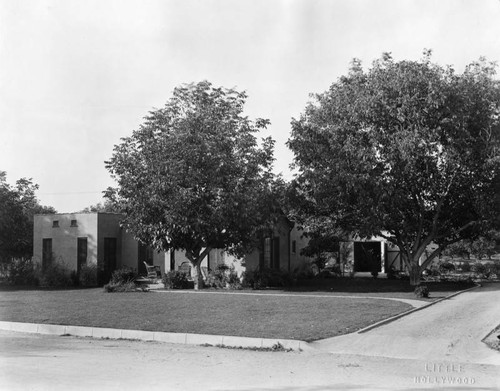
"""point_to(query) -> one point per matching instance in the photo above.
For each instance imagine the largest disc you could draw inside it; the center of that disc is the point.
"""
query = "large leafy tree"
(18, 205)
(407, 150)
(194, 177)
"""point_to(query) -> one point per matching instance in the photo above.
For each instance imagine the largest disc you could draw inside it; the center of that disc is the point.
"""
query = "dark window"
(55, 224)
(46, 252)
(267, 252)
(110, 256)
(73, 223)
(275, 260)
(81, 253)
(272, 252)
(294, 246)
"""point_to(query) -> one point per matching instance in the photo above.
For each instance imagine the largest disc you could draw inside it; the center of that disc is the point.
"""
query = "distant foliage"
(465, 267)
(446, 267)
(479, 268)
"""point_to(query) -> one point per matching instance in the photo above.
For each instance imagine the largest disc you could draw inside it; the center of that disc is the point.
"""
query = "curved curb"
(158, 336)
(396, 317)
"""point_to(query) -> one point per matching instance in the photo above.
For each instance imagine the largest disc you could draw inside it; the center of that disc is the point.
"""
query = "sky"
(76, 76)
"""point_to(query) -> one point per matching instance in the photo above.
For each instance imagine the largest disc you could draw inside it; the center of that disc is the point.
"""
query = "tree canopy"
(194, 176)
(405, 150)
(18, 205)
(102, 207)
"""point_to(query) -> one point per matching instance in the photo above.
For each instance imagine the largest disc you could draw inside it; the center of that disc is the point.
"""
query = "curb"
(158, 336)
(396, 317)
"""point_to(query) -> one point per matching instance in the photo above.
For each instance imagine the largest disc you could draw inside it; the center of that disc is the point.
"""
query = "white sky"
(76, 76)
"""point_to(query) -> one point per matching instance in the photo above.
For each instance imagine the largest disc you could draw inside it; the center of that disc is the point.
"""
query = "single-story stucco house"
(79, 239)
(97, 238)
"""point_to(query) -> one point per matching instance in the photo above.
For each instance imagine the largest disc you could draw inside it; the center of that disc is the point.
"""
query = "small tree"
(193, 177)
(408, 151)
(18, 205)
(320, 247)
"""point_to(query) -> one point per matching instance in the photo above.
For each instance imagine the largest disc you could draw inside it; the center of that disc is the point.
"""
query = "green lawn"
(268, 316)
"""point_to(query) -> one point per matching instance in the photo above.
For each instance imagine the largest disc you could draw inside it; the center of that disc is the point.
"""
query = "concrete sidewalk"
(176, 338)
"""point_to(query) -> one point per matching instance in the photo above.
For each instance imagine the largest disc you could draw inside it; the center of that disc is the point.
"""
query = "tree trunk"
(415, 274)
(197, 275)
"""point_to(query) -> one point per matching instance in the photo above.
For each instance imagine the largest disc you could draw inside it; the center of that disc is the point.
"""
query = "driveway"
(451, 330)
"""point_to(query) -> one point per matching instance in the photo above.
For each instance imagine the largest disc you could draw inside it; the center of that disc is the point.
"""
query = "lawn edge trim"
(396, 317)
(156, 336)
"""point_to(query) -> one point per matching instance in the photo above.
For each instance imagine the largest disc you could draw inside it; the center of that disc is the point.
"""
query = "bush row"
(56, 274)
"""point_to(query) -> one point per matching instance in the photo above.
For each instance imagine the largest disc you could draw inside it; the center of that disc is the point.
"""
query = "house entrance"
(367, 256)
(109, 258)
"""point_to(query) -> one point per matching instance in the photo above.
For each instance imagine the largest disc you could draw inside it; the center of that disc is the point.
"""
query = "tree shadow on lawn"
(372, 285)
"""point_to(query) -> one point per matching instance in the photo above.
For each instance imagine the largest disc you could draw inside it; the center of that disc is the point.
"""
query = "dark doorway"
(367, 256)
(46, 253)
(172, 259)
(109, 257)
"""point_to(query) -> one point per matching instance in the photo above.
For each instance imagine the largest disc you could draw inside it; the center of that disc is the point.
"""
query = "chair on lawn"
(153, 271)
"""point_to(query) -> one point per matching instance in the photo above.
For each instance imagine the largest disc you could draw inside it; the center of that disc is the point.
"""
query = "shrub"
(88, 275)
(446, 267)
(267, 278)
(123, 276)
(465, 267)
(175, 279)
(56, 275)
(224, 277)
(303, 272)
(22, 272)
(479, 268)
(128, 286)
(422, 291)
(494, 269)
(122, 280)
(233, 281)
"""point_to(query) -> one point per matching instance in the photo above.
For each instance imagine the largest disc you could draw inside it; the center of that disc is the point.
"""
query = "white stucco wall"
(65, 237)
